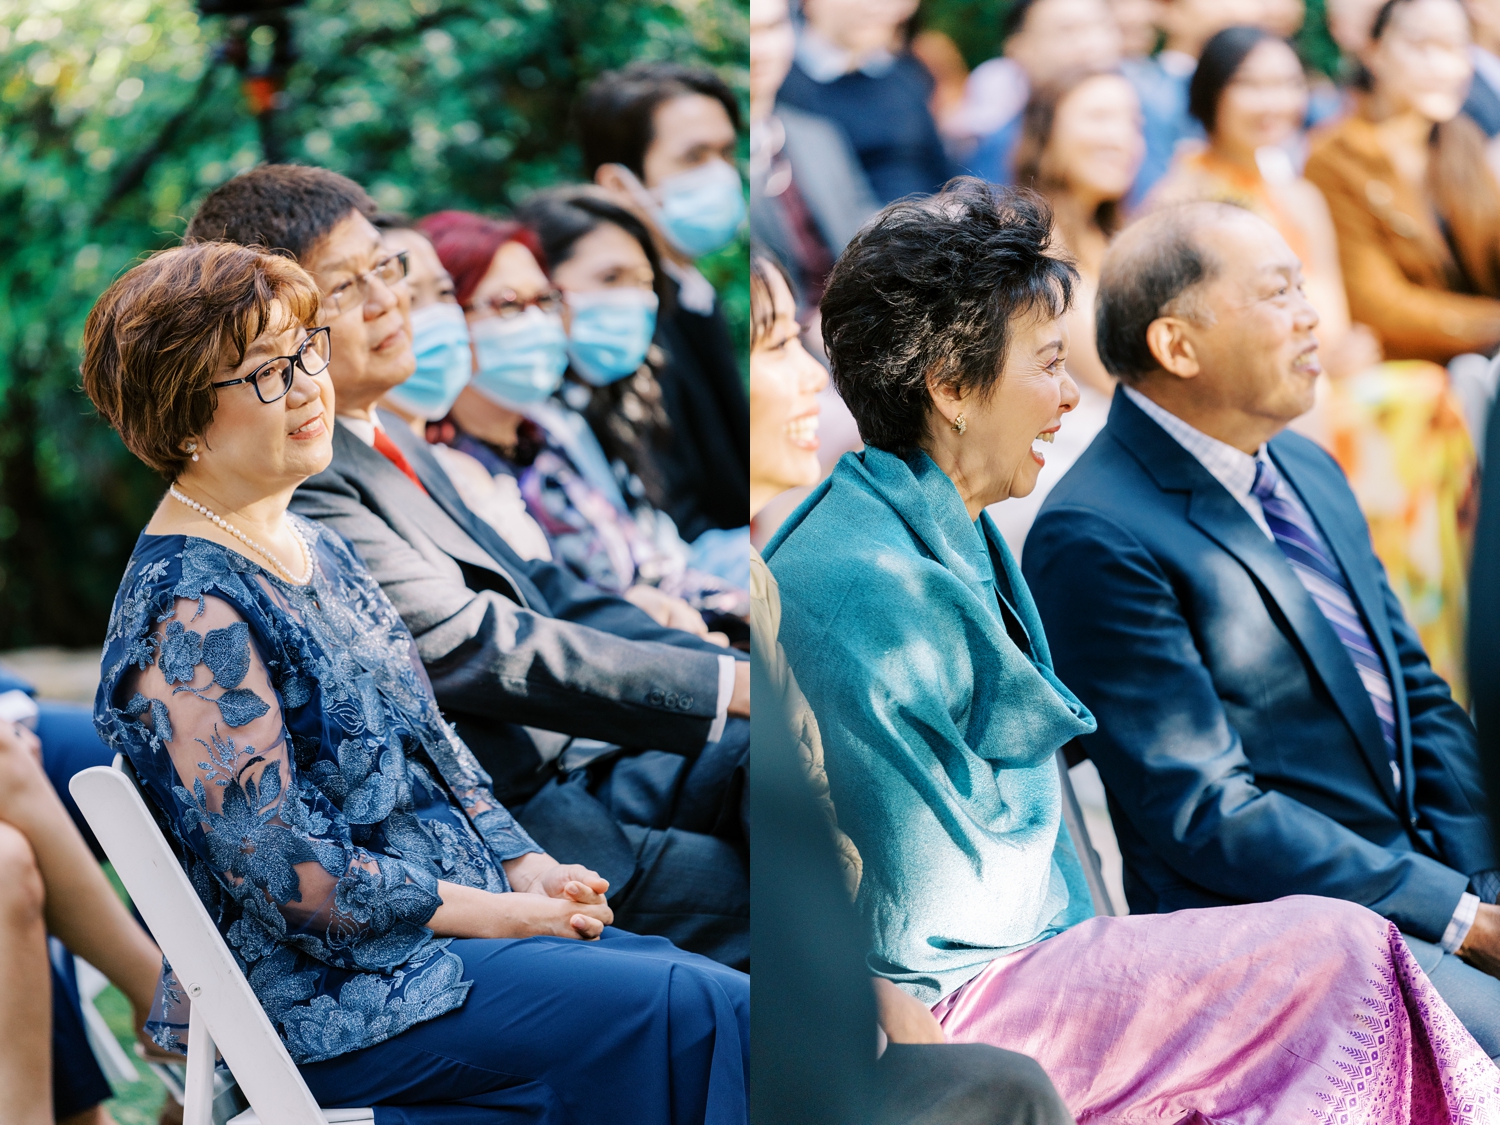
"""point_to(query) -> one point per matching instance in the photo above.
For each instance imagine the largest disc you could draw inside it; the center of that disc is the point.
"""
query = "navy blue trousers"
(626, 1030)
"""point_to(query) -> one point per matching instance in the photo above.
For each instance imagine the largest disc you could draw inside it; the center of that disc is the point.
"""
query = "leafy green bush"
(116, 116)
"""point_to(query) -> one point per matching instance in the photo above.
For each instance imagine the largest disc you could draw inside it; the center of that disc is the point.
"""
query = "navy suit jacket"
(1241, 753)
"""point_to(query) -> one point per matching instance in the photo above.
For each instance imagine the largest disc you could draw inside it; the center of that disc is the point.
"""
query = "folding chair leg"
(198, 1102)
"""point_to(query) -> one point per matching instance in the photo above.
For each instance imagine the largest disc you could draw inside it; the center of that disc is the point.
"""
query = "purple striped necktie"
(1315, 568)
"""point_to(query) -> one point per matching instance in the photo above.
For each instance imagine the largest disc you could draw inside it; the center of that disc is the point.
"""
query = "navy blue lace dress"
(289, 741)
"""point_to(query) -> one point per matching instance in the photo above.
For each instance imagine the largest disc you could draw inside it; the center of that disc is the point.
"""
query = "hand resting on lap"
(549, 898)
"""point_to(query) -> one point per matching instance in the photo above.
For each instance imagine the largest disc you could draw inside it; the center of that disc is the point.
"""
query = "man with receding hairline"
(1268, 722)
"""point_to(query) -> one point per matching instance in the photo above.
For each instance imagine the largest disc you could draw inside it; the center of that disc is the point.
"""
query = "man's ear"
(608, 177)
(1171, 346)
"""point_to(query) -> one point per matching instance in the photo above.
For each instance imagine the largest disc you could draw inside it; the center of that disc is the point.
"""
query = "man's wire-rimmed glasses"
(342, 297)
(273, 378)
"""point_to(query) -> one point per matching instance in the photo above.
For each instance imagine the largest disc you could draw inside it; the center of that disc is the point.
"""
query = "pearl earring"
(959, 426)
(191, 447)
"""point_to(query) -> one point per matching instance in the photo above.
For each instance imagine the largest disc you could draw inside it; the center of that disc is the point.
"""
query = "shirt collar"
(360, 428)
(1179, 64)
(1231, 467)
(826, 62)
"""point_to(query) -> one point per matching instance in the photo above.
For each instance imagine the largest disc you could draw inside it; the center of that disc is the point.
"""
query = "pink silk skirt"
(1304, 1009)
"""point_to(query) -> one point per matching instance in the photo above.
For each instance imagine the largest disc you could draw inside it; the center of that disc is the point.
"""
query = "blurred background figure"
(852, 66)
(1080, 147)
(1040, 41)
(1139, 22)
(663, 138)
(1483, 101)
(1416, 208)
(808, 191)
(1162, 80)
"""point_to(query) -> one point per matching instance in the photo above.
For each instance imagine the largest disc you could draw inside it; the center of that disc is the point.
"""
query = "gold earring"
(959, 424)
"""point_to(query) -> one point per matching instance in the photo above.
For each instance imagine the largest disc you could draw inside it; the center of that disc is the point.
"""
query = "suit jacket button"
(672, 700)
(1413, 822)
(685, 701)
(656, 698)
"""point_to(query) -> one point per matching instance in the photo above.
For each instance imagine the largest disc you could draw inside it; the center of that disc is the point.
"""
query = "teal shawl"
(938, 731)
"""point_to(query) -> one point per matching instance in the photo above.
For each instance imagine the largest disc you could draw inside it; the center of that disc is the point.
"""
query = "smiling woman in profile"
(410, 942)
(912, 634)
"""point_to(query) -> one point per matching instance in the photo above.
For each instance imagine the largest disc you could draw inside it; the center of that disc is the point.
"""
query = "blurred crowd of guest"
(1380, 175)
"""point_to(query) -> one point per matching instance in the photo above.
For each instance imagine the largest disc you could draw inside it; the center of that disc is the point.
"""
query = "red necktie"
(384, 445)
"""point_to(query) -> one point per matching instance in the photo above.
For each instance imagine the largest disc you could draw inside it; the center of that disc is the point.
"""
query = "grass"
(134, 1103)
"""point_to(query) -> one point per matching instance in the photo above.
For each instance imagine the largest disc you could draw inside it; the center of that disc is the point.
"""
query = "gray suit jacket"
(507, 642)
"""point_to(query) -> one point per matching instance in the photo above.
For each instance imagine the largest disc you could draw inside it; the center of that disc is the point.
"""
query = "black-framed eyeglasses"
(390, 270)
(273, 378)
(508, 303)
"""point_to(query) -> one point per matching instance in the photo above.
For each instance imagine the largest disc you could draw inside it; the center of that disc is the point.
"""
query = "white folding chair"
(225, 1013)
(1093, 868)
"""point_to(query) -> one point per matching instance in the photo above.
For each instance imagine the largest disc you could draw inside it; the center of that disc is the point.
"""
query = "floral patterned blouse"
(289, 742)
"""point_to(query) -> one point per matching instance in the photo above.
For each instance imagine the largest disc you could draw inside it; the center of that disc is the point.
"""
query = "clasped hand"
(547, 899)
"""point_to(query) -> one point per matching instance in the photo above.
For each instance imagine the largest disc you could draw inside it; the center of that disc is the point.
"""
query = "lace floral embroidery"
(289, 737)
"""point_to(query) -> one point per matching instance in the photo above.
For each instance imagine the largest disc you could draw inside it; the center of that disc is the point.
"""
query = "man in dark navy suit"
(1268, 722)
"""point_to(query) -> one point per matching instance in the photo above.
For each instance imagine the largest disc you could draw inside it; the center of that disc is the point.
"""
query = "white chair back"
(225, 1012)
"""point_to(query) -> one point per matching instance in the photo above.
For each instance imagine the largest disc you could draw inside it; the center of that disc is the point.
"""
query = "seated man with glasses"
(545, 677)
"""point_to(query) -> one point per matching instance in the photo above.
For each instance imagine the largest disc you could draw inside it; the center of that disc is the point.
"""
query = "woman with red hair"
(518, 423)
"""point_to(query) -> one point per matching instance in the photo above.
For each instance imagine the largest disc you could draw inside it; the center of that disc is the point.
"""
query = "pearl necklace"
(307, 556)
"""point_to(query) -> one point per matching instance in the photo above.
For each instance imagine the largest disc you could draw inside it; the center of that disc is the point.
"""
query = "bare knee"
(22, 892)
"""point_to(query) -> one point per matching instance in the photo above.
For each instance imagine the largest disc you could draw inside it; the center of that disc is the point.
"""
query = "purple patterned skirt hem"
(1304, 1009)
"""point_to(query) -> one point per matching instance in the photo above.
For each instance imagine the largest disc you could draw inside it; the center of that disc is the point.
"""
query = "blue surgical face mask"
(610, 332)
(520, 359)
(440, 337)
(700, 211)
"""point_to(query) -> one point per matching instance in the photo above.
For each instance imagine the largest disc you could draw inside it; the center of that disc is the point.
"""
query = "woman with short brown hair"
(411, 943)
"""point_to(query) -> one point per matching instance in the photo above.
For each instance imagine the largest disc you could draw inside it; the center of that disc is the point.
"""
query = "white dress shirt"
(1235, 470)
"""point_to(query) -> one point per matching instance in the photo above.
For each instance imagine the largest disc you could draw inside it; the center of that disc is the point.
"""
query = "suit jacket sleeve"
(572, 599)
(1450, 795)
(490, 657)
(1165, 748)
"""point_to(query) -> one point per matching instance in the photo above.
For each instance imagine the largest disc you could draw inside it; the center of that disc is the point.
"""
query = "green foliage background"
(116, 116)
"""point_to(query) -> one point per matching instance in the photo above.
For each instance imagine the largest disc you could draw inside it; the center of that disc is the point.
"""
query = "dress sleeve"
(279, 847)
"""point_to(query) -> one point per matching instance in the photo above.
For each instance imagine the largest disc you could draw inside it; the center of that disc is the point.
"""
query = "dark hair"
(160, 335)
(763, 266)
(466, 244)
(1037, 122)
(616, 113)
(1015, 18)
(283, 207)
(928, 289)
(561, 216)
(628, 415)
(1147, 274)
(1222, 57)
(392, 220)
